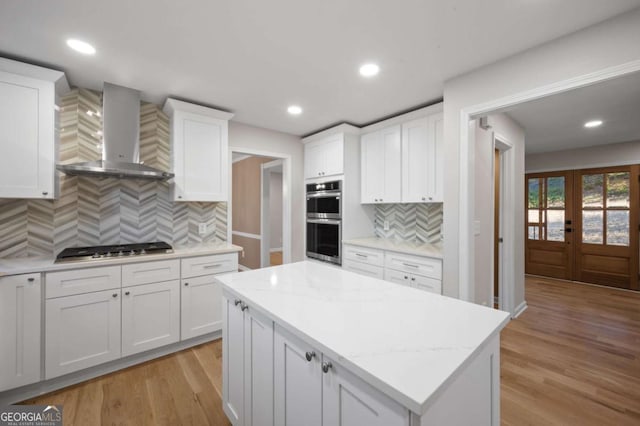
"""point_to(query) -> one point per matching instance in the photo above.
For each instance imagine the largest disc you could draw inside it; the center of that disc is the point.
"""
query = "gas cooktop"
(115, 251)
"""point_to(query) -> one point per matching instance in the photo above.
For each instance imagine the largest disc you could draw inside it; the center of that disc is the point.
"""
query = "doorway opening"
(259, 208)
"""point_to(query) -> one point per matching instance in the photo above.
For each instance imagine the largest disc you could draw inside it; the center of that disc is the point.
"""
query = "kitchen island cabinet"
(349, 348)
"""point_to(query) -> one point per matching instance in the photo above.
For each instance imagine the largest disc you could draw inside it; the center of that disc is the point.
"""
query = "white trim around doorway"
(466, 195)
(286, 195)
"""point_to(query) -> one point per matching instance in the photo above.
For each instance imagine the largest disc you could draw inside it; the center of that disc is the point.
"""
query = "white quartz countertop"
(409, 247)
(29, 265)
(405, 342)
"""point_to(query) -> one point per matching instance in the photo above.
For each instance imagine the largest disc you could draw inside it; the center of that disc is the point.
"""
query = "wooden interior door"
(607, 224)
(549, 232)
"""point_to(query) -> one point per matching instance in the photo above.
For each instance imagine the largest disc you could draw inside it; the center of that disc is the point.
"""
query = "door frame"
(506, 263)
(286, 195)
(466, 172)
(265, 196)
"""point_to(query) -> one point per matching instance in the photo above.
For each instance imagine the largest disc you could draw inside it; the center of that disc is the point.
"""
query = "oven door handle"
(325, 221)
(324, 194)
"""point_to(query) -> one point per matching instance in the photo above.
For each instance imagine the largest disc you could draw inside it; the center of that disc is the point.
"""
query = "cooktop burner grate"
(111, 251)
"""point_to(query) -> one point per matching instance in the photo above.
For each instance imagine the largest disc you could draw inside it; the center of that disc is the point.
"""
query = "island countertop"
(405, 342)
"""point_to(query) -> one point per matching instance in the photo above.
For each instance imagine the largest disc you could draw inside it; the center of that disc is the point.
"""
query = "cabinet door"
(200, 159)
(150, 316)
(372, 167)
(233, 361)
(436, 155)
(333, 153)
(313, 160)
(416, 161)
(397, 277)
(20, 309)
(258, 368)
(426, 283)
(381, 162)
(201, 301)
(81, 331)
(392, 165)
(298, 382)
(27, 137)
(348, 401)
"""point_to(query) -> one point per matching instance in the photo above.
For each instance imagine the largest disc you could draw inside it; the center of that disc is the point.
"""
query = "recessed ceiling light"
(294, 110)
(81, 46)
(593, 123)
(369, 70)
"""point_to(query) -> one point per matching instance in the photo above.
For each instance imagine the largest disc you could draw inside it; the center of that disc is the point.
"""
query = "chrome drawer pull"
(212, 266)
(410, 265)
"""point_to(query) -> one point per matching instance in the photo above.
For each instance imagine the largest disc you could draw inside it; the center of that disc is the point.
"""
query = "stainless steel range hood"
(121, 134)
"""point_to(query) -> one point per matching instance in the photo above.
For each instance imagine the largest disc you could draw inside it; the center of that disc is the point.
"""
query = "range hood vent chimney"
(121, 134)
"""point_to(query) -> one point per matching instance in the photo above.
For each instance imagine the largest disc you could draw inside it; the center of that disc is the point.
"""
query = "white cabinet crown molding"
(341, 129)
(171, 105)
(37, 72)
(403, 118)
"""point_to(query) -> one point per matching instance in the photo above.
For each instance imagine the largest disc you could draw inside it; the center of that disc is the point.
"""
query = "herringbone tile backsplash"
(410, 222)
(91, 211)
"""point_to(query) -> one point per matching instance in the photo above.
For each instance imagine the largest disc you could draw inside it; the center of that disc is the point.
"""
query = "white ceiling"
(557, 122)
(255, 57)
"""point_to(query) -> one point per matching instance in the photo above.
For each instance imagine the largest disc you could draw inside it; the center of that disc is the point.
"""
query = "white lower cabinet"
(150, 316)
(201, 301)
(348, 401)
(298, 381)
(20, 307)
(81, 331)
(422, 272)
(247, 365)
(312, 390)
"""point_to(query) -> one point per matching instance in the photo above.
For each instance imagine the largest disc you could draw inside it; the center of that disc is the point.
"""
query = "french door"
(582, 225)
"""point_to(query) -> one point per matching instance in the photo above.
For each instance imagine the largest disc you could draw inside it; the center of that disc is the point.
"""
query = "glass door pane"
(605, 208)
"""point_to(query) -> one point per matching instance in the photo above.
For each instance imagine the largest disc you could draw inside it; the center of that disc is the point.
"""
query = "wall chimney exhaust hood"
(121, 135)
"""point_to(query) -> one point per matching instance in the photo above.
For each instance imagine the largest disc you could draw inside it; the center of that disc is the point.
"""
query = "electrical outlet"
(386, 225)
(202, 228)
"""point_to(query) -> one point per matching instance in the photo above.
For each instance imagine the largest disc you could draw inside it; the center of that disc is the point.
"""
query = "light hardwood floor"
(275, 258)
(572, 358)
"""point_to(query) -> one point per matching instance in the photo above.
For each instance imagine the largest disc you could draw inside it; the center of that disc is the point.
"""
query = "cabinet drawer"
(363, 268)
(206, 265)
(397, 277)
(364, 255)
(150, 272)
(426, 266)
(78, 281)
(427, 284)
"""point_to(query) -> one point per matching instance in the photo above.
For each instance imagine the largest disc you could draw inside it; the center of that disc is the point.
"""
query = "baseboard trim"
(23, 393)
(275, 249)
(519, 309)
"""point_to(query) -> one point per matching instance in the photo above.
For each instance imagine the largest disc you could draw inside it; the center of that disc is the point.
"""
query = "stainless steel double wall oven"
(324, 221)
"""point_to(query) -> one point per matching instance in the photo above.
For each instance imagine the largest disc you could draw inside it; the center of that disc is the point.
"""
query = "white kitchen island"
(309, 344)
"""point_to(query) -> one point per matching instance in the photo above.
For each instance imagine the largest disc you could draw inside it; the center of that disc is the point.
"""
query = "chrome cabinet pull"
(326, 366)
(237, 302)
(126, 293)
(212, 266)
(310, 355)
(31, 279)
(114, 295)
(410, 265)
(244, 307)
(361, 255)
(186, 284)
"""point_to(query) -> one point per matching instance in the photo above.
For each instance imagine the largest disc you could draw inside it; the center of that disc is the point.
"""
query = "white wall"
(611, 43)
(269, 141)
(275, 210)
(483, 214)
(617, 154)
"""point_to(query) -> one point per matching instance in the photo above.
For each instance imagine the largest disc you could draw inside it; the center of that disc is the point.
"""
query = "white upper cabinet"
(28, 133)
(404, 162)
(381, 166)
(199, 151)
(422, 160)
(324, 157)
